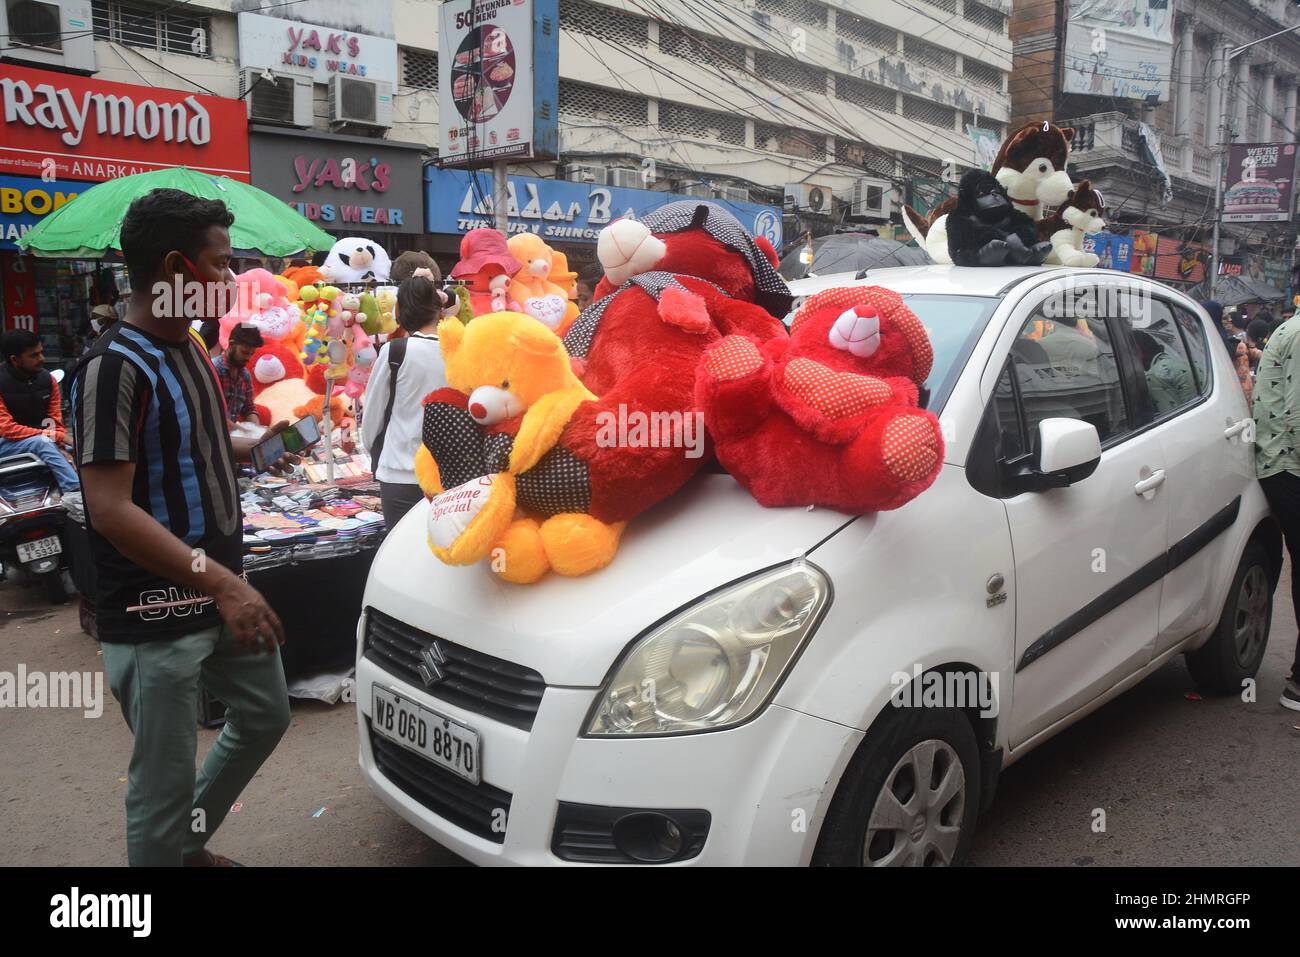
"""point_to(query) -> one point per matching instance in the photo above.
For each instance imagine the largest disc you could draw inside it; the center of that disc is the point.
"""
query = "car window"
(1008, 428)
(953, 323)
(1163, 357)
(1198, 347)
(1066, 368)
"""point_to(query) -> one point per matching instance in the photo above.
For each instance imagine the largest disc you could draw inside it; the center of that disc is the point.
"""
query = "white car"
(791, 686)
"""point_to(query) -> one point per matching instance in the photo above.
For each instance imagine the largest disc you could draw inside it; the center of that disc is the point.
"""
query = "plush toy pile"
(525, 459)
(1030, 169)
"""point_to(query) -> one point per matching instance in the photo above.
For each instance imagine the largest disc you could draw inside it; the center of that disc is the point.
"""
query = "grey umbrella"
(851, 252)
(1234, 290)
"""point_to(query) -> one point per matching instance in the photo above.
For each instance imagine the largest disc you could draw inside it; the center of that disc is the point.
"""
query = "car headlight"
(717, 663)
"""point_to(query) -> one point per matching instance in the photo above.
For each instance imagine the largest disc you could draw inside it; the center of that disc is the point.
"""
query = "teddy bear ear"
(765, 246)
(451, 332)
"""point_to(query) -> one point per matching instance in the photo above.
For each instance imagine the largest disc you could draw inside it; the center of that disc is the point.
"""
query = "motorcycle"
(32, 519)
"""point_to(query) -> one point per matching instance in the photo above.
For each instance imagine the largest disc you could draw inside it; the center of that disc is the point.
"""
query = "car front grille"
(493, 687)
(481, 809)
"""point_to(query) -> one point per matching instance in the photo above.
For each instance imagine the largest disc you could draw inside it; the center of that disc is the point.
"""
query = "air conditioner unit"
(354, 101)
(734, 194)
(48, 32)
(284, 99)
(582, 173)
(872, 198)
(625, 178)
(809, 196)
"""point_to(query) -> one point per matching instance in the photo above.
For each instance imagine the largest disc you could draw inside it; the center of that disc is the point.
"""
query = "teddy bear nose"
(857, 331)
(626, 248)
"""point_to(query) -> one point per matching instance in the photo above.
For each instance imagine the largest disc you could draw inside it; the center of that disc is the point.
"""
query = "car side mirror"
(1069, 450)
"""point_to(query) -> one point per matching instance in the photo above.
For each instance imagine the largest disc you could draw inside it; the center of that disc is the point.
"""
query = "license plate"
(41, 548)
(438, 738)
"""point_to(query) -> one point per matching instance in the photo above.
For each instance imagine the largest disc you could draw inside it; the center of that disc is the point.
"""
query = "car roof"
(942, 279)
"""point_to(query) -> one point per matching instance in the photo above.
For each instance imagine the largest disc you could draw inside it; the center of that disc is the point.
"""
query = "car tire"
(1237, 647)
(878, 789)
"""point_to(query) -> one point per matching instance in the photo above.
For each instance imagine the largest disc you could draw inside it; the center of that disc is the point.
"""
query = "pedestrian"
(1287, 312)
(405, 371)
(1277, 458)
(31, 410)
(101, 317)
(163, 519)
(1235, 345)
(1257, 334)
(589, 278)
(232, 372)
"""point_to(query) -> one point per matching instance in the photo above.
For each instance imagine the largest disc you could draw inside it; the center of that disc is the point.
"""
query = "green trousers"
(171, 813)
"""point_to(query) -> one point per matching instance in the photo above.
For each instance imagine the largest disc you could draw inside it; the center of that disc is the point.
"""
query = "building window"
(986, 17)
(981, 73)
(706, 51)
(801, 11)
(914, 165)
(968, 119)
(860, 154)
(861, 30)
(164, 29)
(869, 96)
(701, 124)
(788, 71)
(594, 20)
(582, 102)
(929, 112)
(916, 50)
(35, 24)
(793, 142)
(419, 69)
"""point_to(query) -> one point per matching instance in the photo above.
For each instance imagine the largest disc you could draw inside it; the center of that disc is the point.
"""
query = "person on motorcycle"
(31, 409)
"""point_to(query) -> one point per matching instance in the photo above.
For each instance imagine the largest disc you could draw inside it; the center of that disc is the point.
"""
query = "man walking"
(1277, 456)
(31, 409)
(232, 372)
(162, 513)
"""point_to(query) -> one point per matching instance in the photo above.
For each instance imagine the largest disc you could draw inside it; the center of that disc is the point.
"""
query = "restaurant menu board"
(1261, 183)
(498, 80)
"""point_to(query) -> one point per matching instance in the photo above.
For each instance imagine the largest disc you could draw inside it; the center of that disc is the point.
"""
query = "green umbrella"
(89, 226)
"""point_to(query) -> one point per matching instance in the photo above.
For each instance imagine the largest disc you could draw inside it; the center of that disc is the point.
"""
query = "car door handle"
(1235, 430)
(1153, 481)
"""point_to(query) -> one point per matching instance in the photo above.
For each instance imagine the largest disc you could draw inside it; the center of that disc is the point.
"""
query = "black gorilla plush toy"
(986, 230)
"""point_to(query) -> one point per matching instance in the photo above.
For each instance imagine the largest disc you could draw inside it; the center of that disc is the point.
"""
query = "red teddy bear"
(827, 416)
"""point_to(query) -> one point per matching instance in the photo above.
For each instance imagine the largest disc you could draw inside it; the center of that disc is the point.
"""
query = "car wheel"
(909, 796)
(1237, 646)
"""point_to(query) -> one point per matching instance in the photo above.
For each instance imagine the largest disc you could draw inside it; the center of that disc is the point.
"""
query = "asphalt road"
(1181, 781)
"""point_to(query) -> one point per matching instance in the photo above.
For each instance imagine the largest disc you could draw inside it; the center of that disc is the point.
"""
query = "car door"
(1088, 556)
(1203, 424)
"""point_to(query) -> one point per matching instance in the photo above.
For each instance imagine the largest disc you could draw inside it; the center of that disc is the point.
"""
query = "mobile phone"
(303, 434)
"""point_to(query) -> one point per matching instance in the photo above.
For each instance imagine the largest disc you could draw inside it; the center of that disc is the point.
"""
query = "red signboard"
(82, 128)
(1178, 261)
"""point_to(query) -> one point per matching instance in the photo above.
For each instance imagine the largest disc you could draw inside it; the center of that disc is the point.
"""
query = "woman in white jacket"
(419, 370)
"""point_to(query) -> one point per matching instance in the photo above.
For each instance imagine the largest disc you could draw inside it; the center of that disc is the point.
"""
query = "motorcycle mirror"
(57, 375)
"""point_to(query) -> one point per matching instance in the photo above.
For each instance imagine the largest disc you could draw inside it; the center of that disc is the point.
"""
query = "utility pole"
(1227, 56)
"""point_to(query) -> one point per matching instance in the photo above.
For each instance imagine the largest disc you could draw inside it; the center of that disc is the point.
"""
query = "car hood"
(571, 630)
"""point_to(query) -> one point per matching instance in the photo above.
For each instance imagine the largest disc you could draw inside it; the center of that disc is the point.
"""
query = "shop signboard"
(19, 284)
(1261, 178)
(1113, 251)
(25, 200)
(1119, 48)
(1144, 252)
(342, 183)
(498, 80)
(308, 49)
(1177, 261)
(559, 211)
(65, 127)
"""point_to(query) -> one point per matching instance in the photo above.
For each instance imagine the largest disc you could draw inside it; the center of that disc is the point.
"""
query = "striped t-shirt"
(137, 398)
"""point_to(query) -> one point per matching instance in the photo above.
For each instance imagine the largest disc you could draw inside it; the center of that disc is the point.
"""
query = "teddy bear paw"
(911, 446)
(734, 357)
(519, 556)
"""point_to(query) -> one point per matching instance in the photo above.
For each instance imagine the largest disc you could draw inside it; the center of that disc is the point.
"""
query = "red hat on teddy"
(480, 248)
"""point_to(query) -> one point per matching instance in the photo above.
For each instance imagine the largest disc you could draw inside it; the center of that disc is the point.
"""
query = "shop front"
(62, 135)
(346, 185)
(568, 216)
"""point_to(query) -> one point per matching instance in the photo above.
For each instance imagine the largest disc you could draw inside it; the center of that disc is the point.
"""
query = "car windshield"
(954, 323)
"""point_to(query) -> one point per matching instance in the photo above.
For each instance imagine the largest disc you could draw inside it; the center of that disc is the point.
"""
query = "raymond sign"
(58, 126)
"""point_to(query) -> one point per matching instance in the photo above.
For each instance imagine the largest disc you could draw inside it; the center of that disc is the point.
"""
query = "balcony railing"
(1107, 139)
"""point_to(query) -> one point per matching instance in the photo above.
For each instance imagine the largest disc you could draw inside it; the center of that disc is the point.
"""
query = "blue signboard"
(25, 200)
(557, 210)
(1115, 252)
